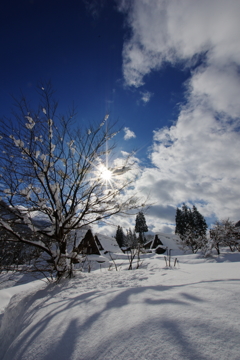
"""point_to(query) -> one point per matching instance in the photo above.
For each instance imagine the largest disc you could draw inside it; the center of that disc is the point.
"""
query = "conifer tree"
(131, 239)
(141, 226)
(199, 222)
(179, 222)
(120, 236)
(191, 228)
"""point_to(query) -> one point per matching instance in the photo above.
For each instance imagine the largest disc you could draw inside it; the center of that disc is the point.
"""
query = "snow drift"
(151, 313)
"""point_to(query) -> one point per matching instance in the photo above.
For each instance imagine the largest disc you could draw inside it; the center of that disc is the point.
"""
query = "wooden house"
(237, 224)
(89, 244)
(154, 243)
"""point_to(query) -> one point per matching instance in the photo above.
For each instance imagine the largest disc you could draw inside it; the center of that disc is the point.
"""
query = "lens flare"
(106, 175)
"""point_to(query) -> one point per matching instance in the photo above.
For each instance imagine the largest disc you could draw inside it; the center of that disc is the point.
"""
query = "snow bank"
(7, 294)
(150, 313)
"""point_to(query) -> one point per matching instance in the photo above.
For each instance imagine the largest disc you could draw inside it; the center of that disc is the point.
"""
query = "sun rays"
(105, 174)
(109, 177)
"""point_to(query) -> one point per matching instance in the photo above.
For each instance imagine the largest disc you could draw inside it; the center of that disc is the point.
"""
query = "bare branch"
(51, 181)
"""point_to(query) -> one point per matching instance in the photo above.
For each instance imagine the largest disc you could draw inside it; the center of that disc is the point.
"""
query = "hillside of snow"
(155, 312)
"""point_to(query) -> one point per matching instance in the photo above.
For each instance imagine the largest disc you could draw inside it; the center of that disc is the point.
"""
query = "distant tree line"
(130, 239)
(191, 227)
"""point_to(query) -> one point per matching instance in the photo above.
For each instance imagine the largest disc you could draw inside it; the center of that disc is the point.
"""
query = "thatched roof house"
(90, 244)
(153, 243)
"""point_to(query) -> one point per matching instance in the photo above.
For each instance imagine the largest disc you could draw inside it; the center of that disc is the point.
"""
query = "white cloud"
(146, 96)
(128, 133)
(197, 159)
(177, 30)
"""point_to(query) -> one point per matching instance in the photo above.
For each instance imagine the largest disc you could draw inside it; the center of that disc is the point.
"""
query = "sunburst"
(105, 173)
(108, 176)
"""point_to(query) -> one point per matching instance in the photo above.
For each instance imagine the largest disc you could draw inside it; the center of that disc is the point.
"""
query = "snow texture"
(156, 312)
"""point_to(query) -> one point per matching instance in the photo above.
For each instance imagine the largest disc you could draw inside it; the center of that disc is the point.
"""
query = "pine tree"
(199, 222)
(183, 220)
(141, 226)
(191, 228)
(120, 236)
(131, 239)
(179, 222)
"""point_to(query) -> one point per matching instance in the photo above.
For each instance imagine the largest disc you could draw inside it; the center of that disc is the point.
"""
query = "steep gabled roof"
(88, 244)
(98, 243)
(108, 243)
(154, 243)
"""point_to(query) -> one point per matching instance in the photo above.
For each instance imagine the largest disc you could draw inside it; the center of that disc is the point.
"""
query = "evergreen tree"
(120, 236)
(179, 222)
(183, 220)
(141, 226)
(199, 222)
(131, 239)
(191, 228)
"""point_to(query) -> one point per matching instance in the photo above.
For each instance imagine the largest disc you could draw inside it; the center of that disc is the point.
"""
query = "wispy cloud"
(94, 7)
(146, 96)
(128, 133)
(197, 159)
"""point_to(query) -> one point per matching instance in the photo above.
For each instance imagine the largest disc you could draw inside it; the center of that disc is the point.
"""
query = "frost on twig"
(53, 182)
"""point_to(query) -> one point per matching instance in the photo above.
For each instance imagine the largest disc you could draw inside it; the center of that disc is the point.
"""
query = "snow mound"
(155, 312)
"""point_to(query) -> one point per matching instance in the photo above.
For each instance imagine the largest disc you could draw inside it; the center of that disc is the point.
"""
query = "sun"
(105, 173)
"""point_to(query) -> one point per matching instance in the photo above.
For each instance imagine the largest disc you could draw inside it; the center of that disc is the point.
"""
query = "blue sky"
(167, 71)
(79, 48)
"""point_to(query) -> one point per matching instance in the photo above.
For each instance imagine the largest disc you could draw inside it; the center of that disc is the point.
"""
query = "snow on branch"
(55, 174)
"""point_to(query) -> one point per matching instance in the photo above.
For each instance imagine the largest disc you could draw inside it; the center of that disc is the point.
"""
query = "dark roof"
(88, 245)
(154, 243)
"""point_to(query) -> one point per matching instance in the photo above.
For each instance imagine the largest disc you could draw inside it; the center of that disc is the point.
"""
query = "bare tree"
(53, 179)
(224, 233)
(134, 248)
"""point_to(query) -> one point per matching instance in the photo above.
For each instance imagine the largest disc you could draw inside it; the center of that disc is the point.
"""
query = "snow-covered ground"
(188, 312)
